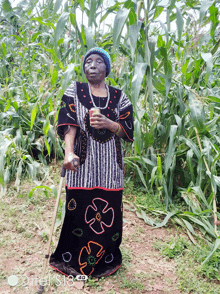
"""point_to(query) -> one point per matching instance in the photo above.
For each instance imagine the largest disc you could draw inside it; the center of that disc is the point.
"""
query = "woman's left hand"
(99, 121)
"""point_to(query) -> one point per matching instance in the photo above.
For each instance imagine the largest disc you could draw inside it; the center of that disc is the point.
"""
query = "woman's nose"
(93, 64)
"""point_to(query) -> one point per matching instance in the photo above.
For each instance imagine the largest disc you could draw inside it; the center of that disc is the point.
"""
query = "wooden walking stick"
(75, 163)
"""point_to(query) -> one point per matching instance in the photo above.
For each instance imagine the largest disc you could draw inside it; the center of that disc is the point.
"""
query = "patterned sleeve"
(126, 117)
(67, 116)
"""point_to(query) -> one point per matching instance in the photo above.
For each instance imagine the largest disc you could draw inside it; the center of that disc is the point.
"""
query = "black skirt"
(91, 233)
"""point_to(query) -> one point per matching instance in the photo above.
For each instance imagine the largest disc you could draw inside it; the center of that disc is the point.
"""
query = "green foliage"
(182, 250)
(173, 248)
(93, 283)
(44, 236)
(211, 269)
(170, 75)
(132, 284)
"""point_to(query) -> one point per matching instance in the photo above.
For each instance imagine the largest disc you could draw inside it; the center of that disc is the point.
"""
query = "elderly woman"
(92, 229)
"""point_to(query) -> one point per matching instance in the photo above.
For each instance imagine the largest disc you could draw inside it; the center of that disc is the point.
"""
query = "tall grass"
(171, 77)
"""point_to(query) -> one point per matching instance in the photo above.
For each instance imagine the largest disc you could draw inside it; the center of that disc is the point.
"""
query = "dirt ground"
(23, 247)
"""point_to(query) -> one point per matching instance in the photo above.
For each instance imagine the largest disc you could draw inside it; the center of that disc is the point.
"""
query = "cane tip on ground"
(40, 290)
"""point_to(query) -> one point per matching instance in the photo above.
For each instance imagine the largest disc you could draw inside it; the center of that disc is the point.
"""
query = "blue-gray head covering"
(104, 55)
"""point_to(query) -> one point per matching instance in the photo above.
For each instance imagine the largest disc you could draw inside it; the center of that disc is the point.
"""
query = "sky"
(110, 18)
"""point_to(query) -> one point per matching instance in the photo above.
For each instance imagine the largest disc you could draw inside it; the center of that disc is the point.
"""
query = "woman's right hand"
(71, 161)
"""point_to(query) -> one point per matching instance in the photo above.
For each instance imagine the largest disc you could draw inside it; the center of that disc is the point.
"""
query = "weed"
(44, 236)
(111, 292)
(132, 284)
(126, 256)
(20, 196)
(3, 275)
(28, 235)
(19, 228)
(94, 283)
(174, 248)
(143, 276)
(141, 230)
(193, 276)
(138, 195)
(54, 282)
(211, 269)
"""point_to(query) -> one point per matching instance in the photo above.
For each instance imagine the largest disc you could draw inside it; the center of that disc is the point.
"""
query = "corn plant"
(166, 59)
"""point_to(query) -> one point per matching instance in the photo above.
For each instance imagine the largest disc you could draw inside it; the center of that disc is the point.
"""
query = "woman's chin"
(94, 80)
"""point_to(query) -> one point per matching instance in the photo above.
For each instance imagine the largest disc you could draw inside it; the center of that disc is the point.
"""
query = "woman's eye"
(97, 61)
(88, 61)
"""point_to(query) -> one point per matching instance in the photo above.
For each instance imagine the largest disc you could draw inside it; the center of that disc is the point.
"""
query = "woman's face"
(95, 69)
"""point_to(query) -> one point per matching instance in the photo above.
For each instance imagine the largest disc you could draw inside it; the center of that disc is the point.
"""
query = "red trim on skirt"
(84, 188)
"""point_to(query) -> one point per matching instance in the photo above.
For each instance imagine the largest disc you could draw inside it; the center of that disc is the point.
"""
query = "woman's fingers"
(71, 163)
(98, 125)
(70, 166)
(97, 117)
(99, 121)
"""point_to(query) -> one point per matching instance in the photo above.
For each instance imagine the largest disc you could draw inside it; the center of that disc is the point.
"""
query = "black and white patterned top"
(100, 152)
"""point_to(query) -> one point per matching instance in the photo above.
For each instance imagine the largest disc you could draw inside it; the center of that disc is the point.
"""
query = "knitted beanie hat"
(103, 54)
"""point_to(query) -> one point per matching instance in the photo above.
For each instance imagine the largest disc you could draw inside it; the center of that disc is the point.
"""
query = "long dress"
(92, 229)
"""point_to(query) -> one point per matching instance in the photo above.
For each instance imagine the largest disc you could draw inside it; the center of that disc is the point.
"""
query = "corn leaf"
(215, 247)
(166, 219)
(60, 27)
(119, 22)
